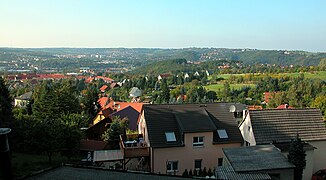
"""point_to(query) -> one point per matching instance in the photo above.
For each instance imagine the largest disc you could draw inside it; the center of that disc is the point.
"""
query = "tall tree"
(297, 156)
(5, 105)
(89, 101)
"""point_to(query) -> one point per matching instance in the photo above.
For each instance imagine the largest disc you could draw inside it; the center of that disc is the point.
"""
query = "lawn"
(316, 75)
(217, 87)
(225, 76)
(25, 164)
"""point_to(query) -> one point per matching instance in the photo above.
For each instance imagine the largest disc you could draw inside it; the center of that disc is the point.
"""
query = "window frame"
(220, 162)
(222, 134)
(172, 165)
(201, 163)
(198, 142)
(171, 135)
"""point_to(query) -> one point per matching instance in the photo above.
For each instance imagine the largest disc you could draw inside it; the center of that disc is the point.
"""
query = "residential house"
(110, 108)
(114, 85)
(280, 126)
(268, 96)
(23, 100)
(255, 162)
(187, 136)
(135, 92)
(163, 76)
(104, 88)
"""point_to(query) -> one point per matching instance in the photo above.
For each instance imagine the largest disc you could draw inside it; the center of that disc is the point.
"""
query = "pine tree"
(297, 156)
(5, 105)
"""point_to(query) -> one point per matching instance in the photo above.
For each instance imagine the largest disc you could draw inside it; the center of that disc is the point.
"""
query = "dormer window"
(170, 137)
(198, 141)
(222, 134)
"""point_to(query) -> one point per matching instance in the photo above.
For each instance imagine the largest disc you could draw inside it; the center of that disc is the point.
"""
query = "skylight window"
(222, 133)
(170, 137)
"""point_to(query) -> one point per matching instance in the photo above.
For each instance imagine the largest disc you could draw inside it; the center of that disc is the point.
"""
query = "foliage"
(320, 102)
(117, 128)
(297, 156)
(209, 172)
(204, 173)
(5, 105)
(190, 173)
(89, 101)
(54, 98)
(185, 173)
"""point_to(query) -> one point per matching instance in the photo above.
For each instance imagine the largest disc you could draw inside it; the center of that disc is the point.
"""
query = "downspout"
(5, 161)
(152, 160)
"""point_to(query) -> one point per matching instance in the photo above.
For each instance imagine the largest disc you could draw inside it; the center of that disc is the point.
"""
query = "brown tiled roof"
(282, 125)
(189, 118)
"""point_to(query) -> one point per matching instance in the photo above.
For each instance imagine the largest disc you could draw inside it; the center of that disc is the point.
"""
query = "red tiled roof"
(106, 79)
(102, 101)
(165, 75)
(268, 96)
(121, 105)
(104, 87)
(284, 106)
(253, 107)
(88, 80)
(113, 85)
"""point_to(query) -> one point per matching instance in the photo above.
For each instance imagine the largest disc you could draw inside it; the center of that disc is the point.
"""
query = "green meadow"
(220, 86)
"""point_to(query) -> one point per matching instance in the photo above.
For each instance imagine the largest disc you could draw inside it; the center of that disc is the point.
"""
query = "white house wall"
(319, 155)
(308, 171)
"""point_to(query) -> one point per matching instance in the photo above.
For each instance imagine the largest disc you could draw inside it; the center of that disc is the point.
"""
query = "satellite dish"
(232, 108)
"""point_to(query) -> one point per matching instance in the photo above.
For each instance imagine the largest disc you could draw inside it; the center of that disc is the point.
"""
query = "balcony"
(134, 146)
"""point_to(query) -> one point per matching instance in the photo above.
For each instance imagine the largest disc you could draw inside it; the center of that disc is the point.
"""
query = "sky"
(259, 24)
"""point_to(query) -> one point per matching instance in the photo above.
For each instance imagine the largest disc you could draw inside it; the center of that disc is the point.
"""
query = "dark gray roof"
(227, 172)
(67, 172)
(160, 119)
(194, 120)
(256, 158)
(282, 125)
(183, 118)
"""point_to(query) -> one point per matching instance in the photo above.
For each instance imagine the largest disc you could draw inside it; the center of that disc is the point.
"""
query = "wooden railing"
(135, 150)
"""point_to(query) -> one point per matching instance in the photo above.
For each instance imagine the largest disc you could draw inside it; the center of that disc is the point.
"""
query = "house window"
(249, 128)
(219, 161)
(198, 141)
(170, 137)
(198, 164)
(222, 133)
(171, 166)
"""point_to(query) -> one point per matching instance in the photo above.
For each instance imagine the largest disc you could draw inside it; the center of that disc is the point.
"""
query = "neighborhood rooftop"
(190, 118)
(256, 158)
(282, 125)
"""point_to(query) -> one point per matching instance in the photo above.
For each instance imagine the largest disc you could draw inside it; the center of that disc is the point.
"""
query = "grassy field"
(219, 87)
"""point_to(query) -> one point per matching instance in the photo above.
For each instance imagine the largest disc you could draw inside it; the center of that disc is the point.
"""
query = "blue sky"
(261, 24)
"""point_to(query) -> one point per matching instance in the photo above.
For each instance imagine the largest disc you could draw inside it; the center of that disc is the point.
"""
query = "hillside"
(133, 58)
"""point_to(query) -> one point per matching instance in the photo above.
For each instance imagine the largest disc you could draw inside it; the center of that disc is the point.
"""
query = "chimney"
(5, 162)
(286, 106)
